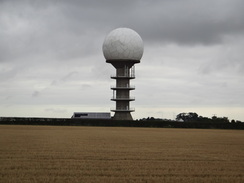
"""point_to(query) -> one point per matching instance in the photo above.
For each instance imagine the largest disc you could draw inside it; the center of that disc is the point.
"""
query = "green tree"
(187, 117)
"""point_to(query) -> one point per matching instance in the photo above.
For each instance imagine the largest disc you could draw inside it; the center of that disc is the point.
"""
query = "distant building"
(92, 115)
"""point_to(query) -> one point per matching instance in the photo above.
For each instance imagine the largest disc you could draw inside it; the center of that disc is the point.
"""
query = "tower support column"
(121, 92)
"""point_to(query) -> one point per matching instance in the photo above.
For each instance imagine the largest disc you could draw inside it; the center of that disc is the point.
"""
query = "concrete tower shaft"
(121, 92)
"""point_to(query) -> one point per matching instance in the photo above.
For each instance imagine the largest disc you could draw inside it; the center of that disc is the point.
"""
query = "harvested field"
(107, 154)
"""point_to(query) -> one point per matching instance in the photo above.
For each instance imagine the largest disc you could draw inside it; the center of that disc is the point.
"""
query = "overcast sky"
(51, 60)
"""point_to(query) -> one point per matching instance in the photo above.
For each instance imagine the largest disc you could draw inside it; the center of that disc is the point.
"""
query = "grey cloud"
(54, 110)
(27, 29)
(85, 86)
(69, 76)
(71, 29)
(229, 59)
(51, 51)
(191, 22)
(35, 94)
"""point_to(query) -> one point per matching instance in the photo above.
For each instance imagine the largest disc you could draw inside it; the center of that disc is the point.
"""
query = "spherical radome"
(123, 44)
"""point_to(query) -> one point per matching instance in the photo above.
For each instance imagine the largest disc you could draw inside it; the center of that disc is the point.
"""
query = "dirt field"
(98, 154)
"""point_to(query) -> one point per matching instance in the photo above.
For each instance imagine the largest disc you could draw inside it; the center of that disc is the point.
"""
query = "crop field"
(35, 154)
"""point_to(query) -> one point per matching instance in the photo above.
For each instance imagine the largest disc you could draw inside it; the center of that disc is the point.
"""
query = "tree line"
(191, 120)
(194, 117)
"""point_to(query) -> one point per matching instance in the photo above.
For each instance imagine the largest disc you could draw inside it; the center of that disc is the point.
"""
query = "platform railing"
(123, 109)
(123, 76)
(123, 87)
(122, 98)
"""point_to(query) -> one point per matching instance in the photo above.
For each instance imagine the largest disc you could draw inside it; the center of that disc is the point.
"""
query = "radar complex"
(123, 47)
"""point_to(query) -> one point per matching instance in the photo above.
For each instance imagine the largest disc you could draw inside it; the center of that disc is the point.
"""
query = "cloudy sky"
(51, 60)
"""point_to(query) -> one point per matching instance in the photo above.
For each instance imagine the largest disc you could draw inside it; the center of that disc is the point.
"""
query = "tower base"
(122, 116)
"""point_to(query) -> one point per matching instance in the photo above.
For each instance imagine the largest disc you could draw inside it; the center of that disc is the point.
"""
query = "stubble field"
(30, 154)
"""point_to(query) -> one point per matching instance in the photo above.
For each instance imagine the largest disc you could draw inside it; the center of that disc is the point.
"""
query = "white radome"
(123, 44)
